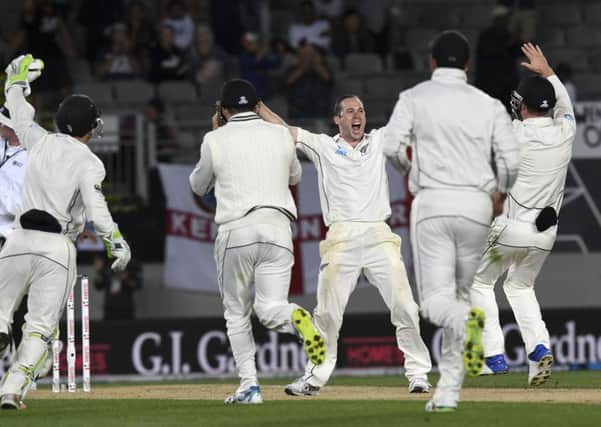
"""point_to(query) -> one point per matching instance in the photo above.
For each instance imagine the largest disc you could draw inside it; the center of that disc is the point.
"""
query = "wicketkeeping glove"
(117, 248)
(22, 71)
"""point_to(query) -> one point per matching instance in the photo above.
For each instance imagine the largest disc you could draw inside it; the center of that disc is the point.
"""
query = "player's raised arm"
(19, 74)
(270, 116)
(538, 64)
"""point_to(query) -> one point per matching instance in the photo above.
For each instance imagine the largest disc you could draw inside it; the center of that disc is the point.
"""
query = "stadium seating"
(177, 91)
(133, 92)
(100, 92)
(362, 63)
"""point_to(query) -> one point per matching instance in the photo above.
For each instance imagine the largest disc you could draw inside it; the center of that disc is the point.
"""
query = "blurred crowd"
(296, 55)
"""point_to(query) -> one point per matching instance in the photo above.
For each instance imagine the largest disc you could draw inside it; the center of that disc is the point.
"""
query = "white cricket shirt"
(63, 177)
(454, 129)
(353, 184)
(12, 174)
(250, 163)
(546, 150)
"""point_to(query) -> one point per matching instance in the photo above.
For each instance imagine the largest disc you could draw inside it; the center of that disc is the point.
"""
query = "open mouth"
(356, 127)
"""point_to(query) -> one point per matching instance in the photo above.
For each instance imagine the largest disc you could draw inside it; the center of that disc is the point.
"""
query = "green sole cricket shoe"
(539, 365)
(473, 353)
(312, 339)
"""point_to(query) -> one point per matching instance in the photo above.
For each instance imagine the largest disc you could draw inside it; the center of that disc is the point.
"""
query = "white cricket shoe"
(11, 401)
(249, 396)
(419, 385)
(301, 387)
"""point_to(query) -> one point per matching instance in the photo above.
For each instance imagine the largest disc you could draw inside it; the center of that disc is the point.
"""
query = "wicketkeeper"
(62, 189)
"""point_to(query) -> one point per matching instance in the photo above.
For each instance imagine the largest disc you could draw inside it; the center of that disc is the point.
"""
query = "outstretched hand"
(22, 71)
(538, 63)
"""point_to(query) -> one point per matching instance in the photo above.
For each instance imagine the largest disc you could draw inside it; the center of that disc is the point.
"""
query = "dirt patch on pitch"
(272, 392)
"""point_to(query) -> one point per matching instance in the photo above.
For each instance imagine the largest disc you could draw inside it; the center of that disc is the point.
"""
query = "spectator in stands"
(180, 20)
(119, 62)
(43, 34)
(286, 58)
(310, 29)
(352, 36)
(97, 18)
(496, 57)
(141, 30)
(226, 23)
(564, 72)
(329, 9)
(309, 82)
(156, 112)
(167, 60)
(376, 17)
(256, 62)
(118, 287)
(207, 60)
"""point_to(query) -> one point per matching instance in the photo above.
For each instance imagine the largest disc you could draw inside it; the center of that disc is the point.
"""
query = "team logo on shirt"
(17, 163)
(341, 151)
(98, 188)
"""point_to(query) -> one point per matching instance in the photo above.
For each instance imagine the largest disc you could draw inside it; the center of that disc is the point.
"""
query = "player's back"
(546, 150)
(455, 125)
(252, 164)
(53, 178)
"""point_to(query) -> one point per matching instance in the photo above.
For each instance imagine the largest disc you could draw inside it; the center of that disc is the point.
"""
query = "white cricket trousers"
(352, 248)
(521, 250)
(448, 236)
(258, 253)
(44, 266)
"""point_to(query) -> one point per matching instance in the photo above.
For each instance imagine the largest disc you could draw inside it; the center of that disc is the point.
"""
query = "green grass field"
(81, 410)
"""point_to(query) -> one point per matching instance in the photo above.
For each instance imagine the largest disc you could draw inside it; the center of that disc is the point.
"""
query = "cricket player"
(251, 163)
(354, 196)
(13, 158)
(521, 238)
(452, 128)
(62, 189)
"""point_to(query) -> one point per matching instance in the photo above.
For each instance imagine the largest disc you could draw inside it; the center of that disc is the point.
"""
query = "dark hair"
(338, 103)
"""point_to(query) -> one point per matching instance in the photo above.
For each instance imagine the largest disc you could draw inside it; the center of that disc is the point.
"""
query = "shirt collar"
(244, 117)
(448, 74)
(538, 122)
(338, 139)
